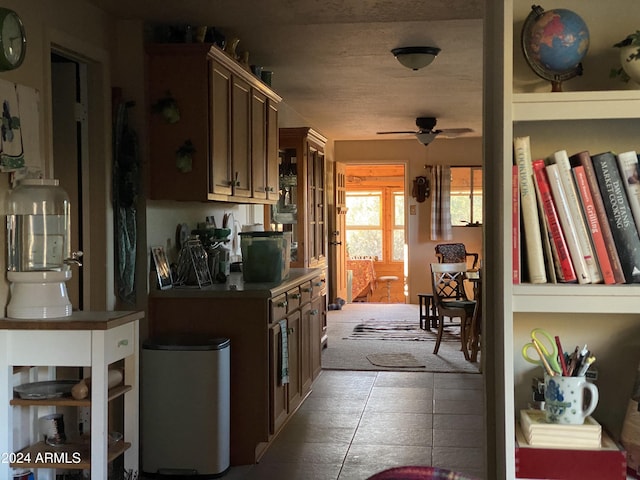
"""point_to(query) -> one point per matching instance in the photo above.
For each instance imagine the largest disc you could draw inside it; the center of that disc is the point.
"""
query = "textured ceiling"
(331, 58)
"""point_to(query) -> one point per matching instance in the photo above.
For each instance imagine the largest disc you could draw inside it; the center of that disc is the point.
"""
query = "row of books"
(576, 218)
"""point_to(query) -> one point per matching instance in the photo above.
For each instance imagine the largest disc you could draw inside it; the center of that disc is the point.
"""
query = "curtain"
(440, 203)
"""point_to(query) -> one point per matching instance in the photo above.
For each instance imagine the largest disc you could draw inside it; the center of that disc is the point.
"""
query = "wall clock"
(13, 40)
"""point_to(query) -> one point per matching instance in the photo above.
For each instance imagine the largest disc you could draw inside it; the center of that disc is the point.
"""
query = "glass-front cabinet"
(300, 208)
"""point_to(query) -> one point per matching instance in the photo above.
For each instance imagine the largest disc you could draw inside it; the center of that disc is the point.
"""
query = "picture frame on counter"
(165, 280)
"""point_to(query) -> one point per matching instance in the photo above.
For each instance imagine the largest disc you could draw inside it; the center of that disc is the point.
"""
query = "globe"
(554, 43)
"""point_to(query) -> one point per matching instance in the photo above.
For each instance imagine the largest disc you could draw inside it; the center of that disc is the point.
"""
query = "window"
(375, 224)
(466, 196)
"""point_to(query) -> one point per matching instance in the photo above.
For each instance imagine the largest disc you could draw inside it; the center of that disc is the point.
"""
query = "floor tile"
(459, 394)
(464, 406)
(390, 455)
(458, 438)
(457, 380)
(405, 400)
(293, 471)
(458, 422)
(404, 379)
(458, 458)
(395, 429)
(306, 453)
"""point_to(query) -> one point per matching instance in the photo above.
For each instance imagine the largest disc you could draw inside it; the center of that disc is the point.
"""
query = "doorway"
(375, 232)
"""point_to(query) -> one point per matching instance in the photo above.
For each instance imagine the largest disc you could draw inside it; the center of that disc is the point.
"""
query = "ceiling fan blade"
(404, 131)
(454, 132)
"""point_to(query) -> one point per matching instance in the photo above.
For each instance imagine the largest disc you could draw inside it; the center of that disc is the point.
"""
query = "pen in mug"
(585, 365)
(563, 364)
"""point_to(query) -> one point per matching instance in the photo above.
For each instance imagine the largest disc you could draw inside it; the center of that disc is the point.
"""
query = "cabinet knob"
(290, 330)
(268, 189)
(335, 243)
(296, 296)
(313, 312)
(282, 304)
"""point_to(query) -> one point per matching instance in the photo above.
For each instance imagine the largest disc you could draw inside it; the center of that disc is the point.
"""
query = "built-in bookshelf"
(594, 113)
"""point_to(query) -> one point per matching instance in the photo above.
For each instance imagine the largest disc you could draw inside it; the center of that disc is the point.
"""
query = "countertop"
(235, 286)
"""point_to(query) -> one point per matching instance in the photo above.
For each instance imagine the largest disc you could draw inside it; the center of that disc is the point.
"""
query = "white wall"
(460, 151)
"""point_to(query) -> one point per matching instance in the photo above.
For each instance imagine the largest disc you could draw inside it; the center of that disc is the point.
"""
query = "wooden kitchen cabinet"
(301, 205)
(229, 133)
(249, 314)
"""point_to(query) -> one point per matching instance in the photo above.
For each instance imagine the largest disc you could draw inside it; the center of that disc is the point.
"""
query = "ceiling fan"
(426, 133)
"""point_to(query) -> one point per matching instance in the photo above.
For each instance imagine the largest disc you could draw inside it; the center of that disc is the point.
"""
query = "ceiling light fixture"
(415, 58)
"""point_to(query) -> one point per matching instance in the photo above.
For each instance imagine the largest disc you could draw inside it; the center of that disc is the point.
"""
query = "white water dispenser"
(39, 250)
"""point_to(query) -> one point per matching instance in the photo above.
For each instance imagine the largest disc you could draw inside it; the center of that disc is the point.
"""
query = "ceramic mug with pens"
(569, 400)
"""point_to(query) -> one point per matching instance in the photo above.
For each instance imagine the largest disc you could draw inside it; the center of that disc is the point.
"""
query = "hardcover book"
(575, 208)
(530, 218)
(619, 215)
(515, 227)
(584, 158)
(591, 218)
(628, 165)
(568, 225)
(566, 272)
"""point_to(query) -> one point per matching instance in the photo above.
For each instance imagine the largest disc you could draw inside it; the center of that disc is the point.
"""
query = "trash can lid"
(185, 342)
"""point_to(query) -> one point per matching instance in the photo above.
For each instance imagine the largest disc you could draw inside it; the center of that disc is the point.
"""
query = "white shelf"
(617, 104)
(572, 298)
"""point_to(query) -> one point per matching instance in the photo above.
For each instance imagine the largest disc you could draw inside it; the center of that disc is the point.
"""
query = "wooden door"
(219, 106)
(273, 158)
(241, 137)
(294, 332)
(337, 236)
(258, 145)
(277, 390)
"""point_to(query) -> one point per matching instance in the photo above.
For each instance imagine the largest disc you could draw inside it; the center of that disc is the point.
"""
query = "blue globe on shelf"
(554, 44)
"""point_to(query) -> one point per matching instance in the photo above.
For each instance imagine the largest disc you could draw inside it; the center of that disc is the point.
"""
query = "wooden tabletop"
(77, 321)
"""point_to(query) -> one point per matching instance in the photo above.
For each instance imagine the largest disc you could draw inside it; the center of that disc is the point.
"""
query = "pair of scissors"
(545, 349)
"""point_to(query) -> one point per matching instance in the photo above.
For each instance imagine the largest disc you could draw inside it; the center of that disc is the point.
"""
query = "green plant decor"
(184, 159)
(631, 39)
(168, 108)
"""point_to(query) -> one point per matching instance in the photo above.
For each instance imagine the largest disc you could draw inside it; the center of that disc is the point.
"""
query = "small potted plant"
(629, 58)
(184, 156)
(168, 108)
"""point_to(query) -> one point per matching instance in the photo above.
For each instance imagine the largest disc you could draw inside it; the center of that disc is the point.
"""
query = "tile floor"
(357, 423)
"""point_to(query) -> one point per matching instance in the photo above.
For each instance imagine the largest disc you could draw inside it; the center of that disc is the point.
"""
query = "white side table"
(85, 339)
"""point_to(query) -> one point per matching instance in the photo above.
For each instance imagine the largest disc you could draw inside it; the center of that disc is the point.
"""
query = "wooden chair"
(451, 301)
(455, 253)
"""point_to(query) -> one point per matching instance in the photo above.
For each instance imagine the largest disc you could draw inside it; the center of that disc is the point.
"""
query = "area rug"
(402, 360)
(398, 330)
(351, 354)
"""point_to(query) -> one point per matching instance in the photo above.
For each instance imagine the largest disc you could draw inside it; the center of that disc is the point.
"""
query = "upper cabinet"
(212, 127)
(301, 205)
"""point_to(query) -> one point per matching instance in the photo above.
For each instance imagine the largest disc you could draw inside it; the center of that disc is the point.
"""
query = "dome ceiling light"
(415, 58)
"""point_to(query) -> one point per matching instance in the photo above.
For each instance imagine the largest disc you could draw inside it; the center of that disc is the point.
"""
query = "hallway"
(356, 423)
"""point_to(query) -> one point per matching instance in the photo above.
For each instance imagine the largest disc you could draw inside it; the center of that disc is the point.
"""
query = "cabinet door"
(316, 207)
(273, 159)
(306, 374)
(220, 107)
(294, 333)
(316, 320)
(258, 145)
(180, 74)
(241, 137)
(277, 389)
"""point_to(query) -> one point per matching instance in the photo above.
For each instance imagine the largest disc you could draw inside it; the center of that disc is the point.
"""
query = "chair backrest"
(455, 253)
(448, 281)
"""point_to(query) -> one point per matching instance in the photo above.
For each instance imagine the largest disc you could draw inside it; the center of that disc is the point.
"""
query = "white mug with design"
(565, 400)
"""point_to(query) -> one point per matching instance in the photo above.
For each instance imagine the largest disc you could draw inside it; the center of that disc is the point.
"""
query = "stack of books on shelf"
(576, 218)
(578, 452)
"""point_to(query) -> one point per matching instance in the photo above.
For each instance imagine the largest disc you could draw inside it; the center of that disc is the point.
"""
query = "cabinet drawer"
(278, 307)
(293, 299)
(317, 286)
(119, 342)
(305, 292)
